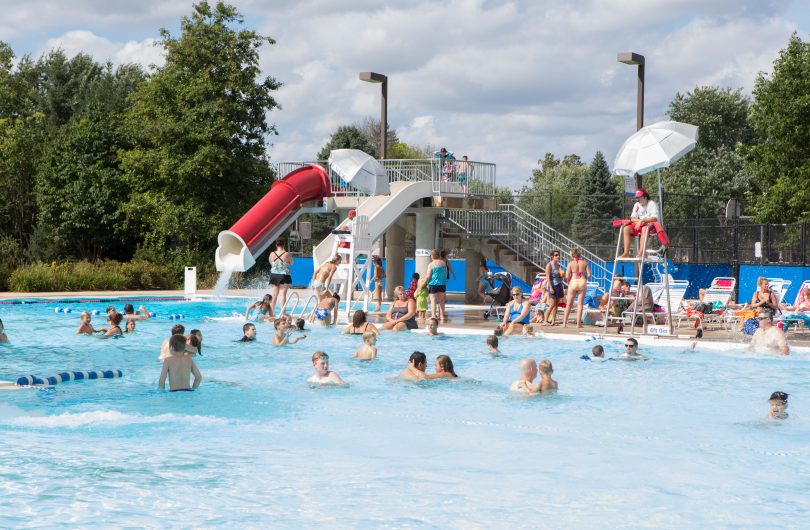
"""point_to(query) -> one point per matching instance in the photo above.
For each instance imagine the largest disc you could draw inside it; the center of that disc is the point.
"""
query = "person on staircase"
(645, 212)
(577, 275)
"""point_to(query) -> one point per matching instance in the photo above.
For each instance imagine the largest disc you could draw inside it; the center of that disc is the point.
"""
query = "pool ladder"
(294, 300)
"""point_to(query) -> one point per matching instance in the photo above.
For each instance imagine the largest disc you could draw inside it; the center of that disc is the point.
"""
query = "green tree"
(550, 195)
(199, 125)
(598, 200)
(714, 170)
(371, 128)
(780, 116)
(405, 151)
(347, 137)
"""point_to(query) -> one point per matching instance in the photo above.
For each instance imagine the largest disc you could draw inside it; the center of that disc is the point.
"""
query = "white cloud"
(73, 42)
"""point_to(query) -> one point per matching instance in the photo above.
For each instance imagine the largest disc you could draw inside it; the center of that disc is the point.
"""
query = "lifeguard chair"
(356, 267)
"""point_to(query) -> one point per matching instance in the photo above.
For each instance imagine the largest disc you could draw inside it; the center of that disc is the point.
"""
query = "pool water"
(680, 441)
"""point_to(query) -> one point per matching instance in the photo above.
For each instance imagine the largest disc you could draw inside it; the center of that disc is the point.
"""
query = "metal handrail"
(293, 296)
(531, 239)
(457, 177)
(304, 308)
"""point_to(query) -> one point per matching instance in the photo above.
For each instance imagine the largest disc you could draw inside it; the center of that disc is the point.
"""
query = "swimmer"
(528, 330)
(130, 327)
(416, 367)
(85, 328)
(323, 376)
(528, 372)
(327, 309)
(140, 314)
(769, 338)
(197, 333)
(249, 332)
(368, 351)
(433, 327)
(631, 351)
(492, 345)
(264, 307)
(179, 367)
(192, 345)
(110, 309)
(282, 336)
(299, 324)
(597, 354)
(546, 384)
(779, 404)
(3, 336)
(177, 329)
(114, 319)
(444, 368)
(498, 331)
(322, 277)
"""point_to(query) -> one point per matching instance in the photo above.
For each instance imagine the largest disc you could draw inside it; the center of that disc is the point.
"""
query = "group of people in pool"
(114, 319)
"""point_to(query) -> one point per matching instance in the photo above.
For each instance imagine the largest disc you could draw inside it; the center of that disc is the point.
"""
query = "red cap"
(641, 192)
(352, 213)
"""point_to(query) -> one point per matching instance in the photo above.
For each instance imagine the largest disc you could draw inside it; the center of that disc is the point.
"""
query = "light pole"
(633, 58)
(373, 77)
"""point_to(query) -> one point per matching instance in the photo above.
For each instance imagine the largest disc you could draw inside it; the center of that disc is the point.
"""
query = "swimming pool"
(676, 442)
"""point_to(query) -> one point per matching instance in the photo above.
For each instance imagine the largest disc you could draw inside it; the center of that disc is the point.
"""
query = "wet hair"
(300, 323)
(177, 343)
(267, 299)
(435, 253)
(497, 331)
(195, 341)
(545, 367)
(634, 341)
(128, 309)
(415, 276)
(447, 364)
(492, 340)
(317, 355)
(110, 308)
(418, 358)
(178, 329)
(197, 333)
(368, 335)
(336, 297)
(249, 325)
(116, 318)
(278, 323)
(130, 322)
(85, 313)
(434, 319)
(359, 318)
(598, 350)
(781, 396)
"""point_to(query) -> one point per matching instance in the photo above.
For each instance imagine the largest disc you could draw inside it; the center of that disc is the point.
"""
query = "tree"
(199, 125)
(404, 151)
(550, 195)
(371, 128)
(598, 201)
(713, 171)
(347, 137)
(780, 116)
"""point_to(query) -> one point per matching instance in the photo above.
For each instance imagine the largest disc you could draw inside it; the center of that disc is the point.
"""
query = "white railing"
(456, 177)
(531, 239)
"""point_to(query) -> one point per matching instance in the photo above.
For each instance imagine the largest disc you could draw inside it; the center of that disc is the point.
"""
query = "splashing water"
(223, 283)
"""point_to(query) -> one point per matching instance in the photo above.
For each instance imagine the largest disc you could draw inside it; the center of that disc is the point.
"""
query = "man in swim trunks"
(179, 367)
(323, 376)
(645, 212)
(769, 338)
(528, 373)
(322, 277)
(416, 367)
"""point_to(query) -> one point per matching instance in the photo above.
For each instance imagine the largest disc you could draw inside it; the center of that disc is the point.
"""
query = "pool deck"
(461, 318)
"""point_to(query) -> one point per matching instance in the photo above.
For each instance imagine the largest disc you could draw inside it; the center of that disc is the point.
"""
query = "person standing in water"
(577, 274)
(280, 279)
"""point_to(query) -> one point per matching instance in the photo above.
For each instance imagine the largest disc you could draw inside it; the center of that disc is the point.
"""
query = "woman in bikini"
(379, 276)
(401, 313)
(577, 275)
(556, 289)
(763, 298)
(516, 313)
(280, 279)
(483, 274)
(264, 309)
(360, 325)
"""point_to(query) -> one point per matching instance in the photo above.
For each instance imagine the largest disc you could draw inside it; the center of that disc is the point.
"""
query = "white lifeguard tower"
(354, 273)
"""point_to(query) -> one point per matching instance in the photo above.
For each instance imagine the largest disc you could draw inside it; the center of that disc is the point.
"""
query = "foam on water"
(223, 282)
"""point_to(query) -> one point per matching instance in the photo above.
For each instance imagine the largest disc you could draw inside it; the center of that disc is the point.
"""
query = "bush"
(86, 276)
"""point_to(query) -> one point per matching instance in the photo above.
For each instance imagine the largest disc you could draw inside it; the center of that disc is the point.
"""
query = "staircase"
(519, 241)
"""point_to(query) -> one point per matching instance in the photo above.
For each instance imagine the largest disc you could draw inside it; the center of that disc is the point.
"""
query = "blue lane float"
(173, 316)
(32, 380)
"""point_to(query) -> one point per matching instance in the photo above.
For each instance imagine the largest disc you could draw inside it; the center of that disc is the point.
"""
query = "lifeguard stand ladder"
(356, 267)
(647, 256)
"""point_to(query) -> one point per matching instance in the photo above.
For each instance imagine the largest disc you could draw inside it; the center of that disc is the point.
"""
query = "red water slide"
(253, 233)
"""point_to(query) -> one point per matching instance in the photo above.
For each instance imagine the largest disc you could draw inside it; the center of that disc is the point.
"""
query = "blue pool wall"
(699, 275)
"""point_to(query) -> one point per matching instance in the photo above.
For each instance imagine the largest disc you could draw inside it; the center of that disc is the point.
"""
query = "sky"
(499, 81)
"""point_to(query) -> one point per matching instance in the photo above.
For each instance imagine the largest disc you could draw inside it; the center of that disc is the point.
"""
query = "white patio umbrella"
(360, 170)
(653, 147)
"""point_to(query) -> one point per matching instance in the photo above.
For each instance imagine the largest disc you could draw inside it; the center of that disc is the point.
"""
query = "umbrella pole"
(660, 198)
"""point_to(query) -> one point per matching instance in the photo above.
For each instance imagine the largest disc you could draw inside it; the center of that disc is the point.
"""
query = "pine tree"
(595, 207)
